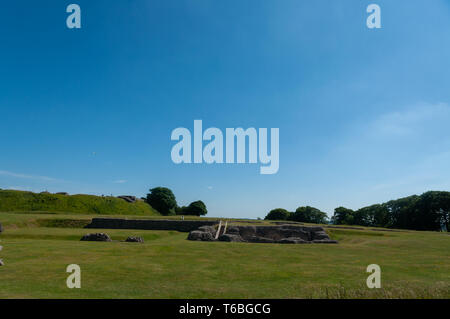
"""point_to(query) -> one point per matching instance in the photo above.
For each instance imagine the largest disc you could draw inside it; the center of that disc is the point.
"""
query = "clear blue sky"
(363, 114)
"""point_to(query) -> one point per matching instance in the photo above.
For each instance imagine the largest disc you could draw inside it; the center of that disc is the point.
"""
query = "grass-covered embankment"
(21, 201)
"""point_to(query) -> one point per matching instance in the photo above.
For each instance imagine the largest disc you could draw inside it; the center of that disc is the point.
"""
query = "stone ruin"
(133, 239)
(206, 230)
(96, 237)
(105, 237)
(281, 234)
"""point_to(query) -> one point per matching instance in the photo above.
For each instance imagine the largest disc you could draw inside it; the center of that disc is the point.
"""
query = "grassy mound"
(20, 201)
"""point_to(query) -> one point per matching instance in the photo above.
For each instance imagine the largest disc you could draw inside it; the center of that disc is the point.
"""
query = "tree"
(442, 208)
(197, 208)
(401, 212)
(431, 211)
(163, 200)
(309, 214)
(343, 216)
(278, 214)
(180, 210)
(375, 216)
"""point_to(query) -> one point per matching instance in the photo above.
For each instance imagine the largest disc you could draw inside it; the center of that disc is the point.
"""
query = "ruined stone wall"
(282, 234)
(148, 224)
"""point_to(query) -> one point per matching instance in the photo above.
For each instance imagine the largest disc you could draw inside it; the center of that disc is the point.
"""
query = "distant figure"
(182, 217)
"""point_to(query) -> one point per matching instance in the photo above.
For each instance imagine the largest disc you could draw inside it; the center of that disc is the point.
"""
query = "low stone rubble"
(134, 239)
(96, 237)
(280, 234)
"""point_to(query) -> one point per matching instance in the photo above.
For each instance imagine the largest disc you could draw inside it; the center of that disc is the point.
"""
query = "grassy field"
(38, 248)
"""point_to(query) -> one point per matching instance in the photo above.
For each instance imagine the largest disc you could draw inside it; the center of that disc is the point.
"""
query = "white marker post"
(218, 229)
(225, 228)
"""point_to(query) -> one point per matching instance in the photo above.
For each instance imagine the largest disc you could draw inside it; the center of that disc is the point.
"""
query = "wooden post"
(225, 228)
(218, 229)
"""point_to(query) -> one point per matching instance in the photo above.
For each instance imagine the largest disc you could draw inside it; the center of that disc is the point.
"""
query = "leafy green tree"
(180, 210)
(343, 216)
(376, 216)
(163, 200)
(197, 208)
(431, 211)
(401, 212)
(307, 214)
(278, 214)
(442, 209)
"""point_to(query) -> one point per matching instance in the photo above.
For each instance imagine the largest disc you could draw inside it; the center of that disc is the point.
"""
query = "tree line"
(305, 214)
(429, 211)
(163, 200)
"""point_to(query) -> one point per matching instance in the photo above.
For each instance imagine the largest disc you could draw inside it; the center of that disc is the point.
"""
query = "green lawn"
(38, 248)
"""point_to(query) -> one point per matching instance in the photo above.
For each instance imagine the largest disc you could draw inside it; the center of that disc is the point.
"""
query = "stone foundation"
(282, 234)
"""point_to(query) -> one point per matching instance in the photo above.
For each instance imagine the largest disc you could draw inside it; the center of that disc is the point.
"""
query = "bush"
(278, 214)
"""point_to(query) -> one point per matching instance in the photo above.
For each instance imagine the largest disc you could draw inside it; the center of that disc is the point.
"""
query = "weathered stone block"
(134, 239)
(96, 237)
(200, 235)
